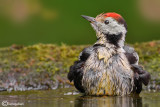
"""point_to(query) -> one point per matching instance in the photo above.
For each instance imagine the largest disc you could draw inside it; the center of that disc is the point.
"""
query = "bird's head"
(110, 26)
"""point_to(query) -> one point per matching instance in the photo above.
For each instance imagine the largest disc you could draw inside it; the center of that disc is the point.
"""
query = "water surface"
(69, 97)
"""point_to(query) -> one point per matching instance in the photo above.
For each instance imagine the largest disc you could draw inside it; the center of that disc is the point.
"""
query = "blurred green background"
(27, 22)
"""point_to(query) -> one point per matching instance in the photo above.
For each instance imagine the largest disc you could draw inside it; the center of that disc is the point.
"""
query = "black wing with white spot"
(131, 55)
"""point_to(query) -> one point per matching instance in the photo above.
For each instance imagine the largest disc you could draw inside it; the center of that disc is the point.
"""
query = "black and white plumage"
(108, 67)
(76, 70)
(141, 76)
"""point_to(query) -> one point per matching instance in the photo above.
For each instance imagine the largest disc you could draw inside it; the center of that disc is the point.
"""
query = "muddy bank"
(44, 66)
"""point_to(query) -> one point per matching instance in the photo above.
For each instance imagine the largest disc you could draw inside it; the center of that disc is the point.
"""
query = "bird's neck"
(111, 40)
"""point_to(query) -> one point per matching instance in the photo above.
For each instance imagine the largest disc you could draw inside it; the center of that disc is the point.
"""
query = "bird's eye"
(106, 22)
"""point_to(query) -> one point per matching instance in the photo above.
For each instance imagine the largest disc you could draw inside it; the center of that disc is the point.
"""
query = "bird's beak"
(90, 19)
(93, 22)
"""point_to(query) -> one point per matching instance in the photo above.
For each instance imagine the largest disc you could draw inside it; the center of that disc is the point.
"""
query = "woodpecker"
(108, 67)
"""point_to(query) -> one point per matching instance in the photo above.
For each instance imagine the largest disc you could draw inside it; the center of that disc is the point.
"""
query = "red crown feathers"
(113, 15)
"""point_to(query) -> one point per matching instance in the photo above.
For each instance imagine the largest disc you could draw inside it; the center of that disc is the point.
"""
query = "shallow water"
(69, 97)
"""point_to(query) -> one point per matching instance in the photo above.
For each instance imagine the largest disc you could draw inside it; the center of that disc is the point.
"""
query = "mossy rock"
(44, 66)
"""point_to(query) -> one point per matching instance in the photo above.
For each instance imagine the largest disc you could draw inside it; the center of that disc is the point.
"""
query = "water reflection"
(108, 101)
(68, 97)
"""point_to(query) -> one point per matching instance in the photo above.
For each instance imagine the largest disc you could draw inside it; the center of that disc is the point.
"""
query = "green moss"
(39, 57)
(149, 54)
(37, 64)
